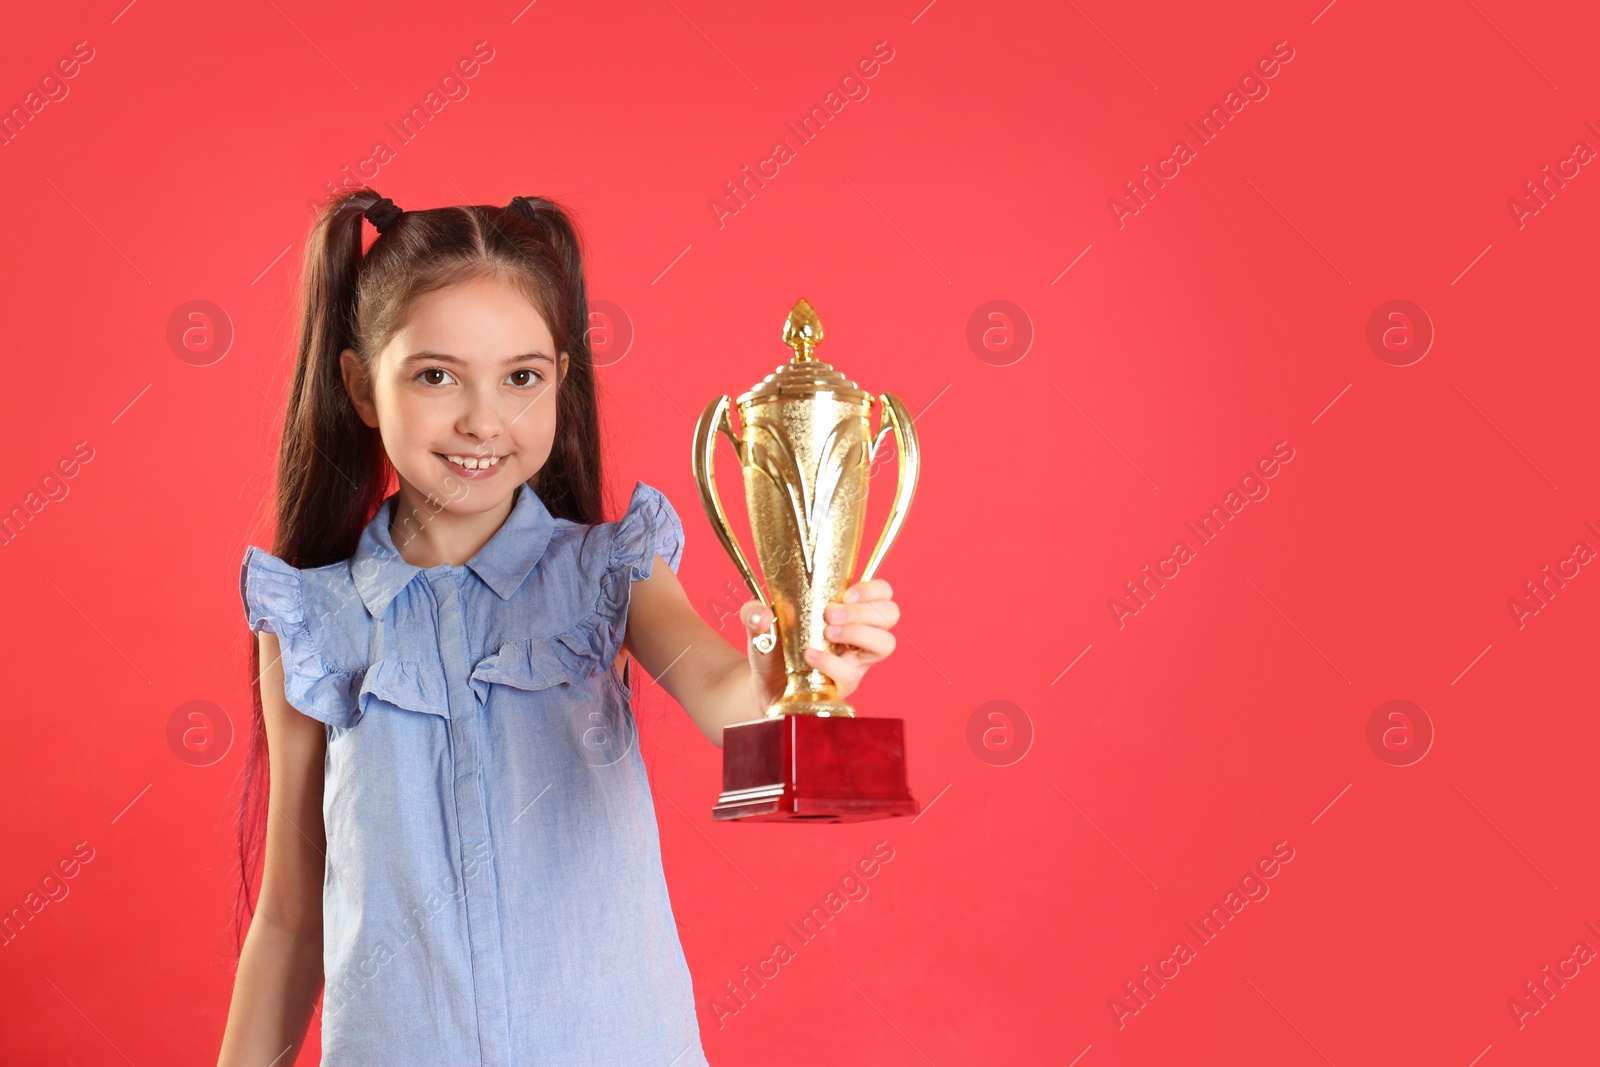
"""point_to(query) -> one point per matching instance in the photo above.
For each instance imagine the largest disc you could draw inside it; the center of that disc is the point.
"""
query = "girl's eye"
(532, 376)
(433, 370)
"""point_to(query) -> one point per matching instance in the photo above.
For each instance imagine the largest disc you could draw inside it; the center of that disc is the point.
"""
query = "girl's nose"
(481, 419)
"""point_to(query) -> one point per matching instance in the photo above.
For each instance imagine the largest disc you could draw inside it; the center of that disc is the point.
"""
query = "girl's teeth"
(473, 462)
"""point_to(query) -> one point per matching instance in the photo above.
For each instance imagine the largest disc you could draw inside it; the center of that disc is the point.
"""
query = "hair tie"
(383, 214)
(522, 206)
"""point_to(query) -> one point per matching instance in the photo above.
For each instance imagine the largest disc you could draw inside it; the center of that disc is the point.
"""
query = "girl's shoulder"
(349, 591)
(278, 596)
(316, 614)
(627, 546)
(585, 573)
(567, 620)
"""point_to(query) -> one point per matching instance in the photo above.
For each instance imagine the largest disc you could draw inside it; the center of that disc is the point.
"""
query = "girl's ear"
(562, 374)
(359, 385)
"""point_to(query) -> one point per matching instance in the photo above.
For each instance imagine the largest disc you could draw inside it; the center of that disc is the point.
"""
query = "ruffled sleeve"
(649, 527)
(274, 600)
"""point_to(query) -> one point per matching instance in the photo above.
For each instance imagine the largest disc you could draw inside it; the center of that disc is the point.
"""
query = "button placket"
(481, 899)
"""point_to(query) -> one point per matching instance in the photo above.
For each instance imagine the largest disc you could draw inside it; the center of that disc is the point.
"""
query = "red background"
(1224, 317)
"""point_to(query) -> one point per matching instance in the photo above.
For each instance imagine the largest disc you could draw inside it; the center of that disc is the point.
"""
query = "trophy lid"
(804, 375)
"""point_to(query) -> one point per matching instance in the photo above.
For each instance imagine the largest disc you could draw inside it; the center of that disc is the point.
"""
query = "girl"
(460, 845)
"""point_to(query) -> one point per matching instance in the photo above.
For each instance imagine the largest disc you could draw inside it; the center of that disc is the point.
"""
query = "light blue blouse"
(493, 891)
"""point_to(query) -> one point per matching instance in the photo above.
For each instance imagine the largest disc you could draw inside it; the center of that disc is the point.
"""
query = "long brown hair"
(332, 472)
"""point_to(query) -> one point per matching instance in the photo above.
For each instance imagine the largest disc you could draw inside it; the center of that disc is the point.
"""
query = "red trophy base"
(809, 767)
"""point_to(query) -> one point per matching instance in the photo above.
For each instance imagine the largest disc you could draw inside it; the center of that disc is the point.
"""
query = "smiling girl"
(458, 847)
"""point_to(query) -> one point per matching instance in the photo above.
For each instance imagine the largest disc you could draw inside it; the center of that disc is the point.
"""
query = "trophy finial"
(802, 330)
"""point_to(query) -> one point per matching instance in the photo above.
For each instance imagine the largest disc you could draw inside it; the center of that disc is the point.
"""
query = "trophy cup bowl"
(806, 448)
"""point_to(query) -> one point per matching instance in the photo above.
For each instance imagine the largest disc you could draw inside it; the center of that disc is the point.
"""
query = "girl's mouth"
(481, 466)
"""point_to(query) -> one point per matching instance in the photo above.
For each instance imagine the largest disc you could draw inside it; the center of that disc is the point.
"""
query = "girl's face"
(464, 395)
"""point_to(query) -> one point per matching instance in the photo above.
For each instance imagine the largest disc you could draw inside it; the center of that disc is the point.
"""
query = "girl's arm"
(716, 683)
(280, 966)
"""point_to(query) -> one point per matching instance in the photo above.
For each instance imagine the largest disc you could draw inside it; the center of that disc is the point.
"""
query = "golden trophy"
(806, 448)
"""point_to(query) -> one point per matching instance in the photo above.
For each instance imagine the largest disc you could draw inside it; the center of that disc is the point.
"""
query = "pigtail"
(332, 470)
(332, 475)
(569, 482)
(558, 230)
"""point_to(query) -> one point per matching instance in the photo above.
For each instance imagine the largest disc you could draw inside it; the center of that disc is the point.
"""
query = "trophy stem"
(810, 692)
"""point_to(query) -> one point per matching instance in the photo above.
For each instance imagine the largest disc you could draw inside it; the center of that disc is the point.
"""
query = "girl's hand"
(860, 627)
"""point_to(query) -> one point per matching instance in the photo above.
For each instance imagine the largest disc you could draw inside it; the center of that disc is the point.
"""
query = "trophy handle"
(894, 417)
(712, 420)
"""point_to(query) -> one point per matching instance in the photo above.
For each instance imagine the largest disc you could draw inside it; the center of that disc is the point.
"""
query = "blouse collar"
(503, 563)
